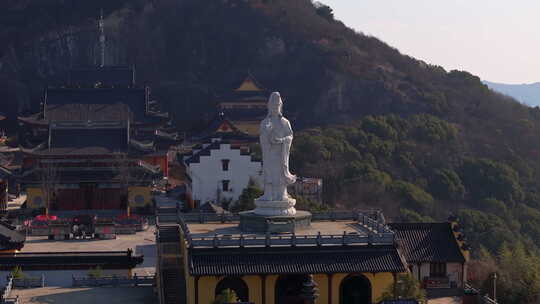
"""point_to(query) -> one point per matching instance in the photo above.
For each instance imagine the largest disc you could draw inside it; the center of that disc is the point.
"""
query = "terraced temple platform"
(326, 230)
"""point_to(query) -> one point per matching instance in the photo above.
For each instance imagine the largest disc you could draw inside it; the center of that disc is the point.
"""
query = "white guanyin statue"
(276, 137)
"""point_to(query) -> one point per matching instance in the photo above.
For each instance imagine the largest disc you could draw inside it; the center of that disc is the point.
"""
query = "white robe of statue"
(276, 137)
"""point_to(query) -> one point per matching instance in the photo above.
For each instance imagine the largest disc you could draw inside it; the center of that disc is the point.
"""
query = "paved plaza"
(109, 295)
(324, 227)
(143, 242)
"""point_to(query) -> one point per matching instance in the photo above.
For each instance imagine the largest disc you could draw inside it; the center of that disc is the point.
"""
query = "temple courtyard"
(141, 243)
(110, 295)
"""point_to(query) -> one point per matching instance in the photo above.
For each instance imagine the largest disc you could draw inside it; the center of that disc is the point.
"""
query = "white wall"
(453, 270)
(208, 173)
(414, 272)
(454, 273)
(424, 270)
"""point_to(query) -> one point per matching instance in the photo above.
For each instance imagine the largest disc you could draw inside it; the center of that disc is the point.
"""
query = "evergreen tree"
(246, 201)
(406, 287)
(226, 296)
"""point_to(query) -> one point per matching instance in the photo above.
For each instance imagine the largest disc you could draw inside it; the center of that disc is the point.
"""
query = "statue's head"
(275, 104)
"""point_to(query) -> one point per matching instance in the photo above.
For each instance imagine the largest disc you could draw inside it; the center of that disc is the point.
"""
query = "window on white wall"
(225, 164)
(225, 185)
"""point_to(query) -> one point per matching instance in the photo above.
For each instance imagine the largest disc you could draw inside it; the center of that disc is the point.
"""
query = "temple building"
(342, 257)
(220, 170)
(345, 259)
(245, 106)
(221, 163)
(435, 252)
(98, 142)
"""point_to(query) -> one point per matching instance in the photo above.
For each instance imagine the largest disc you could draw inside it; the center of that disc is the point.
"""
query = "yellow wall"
(31, 194)
(144, 192)
(207, 285)
(379, 283)
(254, 284)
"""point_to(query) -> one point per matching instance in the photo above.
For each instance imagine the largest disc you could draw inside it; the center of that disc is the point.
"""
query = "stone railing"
(29, 282)
(6, 293)
(113, 281)
(290, 240)
(372, 232)
(371, 225)
(482, 299)
(199, 217)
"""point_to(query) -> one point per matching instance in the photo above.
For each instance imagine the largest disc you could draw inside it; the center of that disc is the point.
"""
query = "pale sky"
(497, 40)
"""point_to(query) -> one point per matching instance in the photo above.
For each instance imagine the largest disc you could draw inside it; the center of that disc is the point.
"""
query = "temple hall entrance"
(235, 284)
(355, 289)
(288, 288)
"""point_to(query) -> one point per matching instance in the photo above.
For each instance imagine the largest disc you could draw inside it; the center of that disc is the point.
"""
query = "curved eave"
(32, 121)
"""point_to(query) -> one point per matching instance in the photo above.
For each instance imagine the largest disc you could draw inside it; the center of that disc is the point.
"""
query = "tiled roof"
(245, 96)
(293, 260)
(251, 78)
(70, 260)
(89, 112)
(36, 118)
(88, 141)
(196, 157)
(139, 174)
(82, 142)
(95, 103)
(222, 127)
(10, 238)
(428, 242)
(214, 126)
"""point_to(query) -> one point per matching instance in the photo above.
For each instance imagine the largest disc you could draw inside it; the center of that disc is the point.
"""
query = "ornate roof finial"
(101, 25)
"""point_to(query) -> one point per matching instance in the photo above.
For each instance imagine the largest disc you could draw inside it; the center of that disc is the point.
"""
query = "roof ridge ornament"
(101, 26)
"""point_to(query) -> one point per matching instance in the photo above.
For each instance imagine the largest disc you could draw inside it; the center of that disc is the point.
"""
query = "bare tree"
(129, 171)
(122, 165)
(49, 177)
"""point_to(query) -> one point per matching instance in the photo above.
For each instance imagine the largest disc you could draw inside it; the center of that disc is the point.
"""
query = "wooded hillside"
(383, 129)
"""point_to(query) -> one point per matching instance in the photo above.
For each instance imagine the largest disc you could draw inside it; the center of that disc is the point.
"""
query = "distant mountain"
(526, 93)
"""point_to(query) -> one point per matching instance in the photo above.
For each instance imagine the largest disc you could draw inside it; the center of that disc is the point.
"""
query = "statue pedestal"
(275, 208)
(256, 223)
